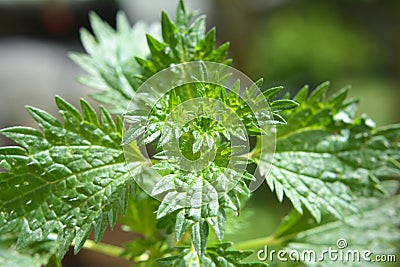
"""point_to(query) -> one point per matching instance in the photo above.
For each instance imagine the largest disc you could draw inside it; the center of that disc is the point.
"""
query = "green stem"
(103, 248)
(111, 250)
(278, 238)
(261, 242)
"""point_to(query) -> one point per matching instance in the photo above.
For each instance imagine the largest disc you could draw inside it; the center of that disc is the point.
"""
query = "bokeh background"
(288, 42)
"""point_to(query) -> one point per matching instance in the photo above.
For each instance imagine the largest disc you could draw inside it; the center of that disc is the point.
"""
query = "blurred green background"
(288, 42)
(346, 42)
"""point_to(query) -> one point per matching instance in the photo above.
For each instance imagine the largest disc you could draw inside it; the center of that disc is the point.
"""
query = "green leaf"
(198, 142)
(65, 180)
(187, 257)
(182, 42)
(111, 59)
(200, 236)
(204, 216)
(218, 223)
(325, 157)
(271, 93)
(37, 255)
(219, 255)
(284, 104)
(118, 61)
(10, 257)
(168, 27)
(182, 224)
(375, 229)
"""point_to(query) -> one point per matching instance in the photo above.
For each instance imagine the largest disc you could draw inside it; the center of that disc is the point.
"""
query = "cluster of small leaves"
(63, 181)
(326, 157)
(199, 219)
(236, 102)
(203, 133)
(156, 120)
(181, 41)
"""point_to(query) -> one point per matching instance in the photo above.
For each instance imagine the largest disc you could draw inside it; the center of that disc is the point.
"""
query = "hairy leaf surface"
(110, 59)
(374, 229)
(66, 180)
(326, 157)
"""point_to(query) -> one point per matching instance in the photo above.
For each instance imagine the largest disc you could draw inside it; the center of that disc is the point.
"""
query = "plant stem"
(259, 242)
(111, 250)
(103, 248)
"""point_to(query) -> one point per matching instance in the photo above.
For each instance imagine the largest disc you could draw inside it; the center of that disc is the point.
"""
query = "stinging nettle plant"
(72, 177)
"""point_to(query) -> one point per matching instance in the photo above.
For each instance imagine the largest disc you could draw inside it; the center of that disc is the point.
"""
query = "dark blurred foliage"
(51, 20)
(318, 40)
(293, 43)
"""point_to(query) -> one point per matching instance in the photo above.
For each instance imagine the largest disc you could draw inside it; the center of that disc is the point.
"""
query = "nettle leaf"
(111, 62)
(375, 229)
(278, 105)
(200, 236)
(34, 256)
(210, 214)
(182, 42)
(11, 257)
(206, 215)
(66, 180)
(325, 157)
(219, 255)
